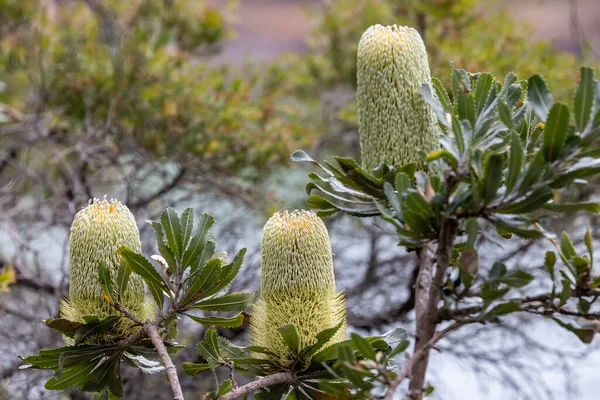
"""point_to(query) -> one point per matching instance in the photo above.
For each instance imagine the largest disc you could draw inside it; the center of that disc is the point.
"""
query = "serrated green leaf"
(322, 338)
(434, 102)
(105, 282)
(192, 369)
(209, 347)
(228, 302)
(122, 279)
(173, 232)
(141, 266)
(584, 98)
(201, 281)
(515, 162)
(224, 322)
(95, 328)
(555, 131)
(227, 274)
(483, 85)
(195, 251)
(539, 96)
(290, 336)
(187, 226)
(442, 94)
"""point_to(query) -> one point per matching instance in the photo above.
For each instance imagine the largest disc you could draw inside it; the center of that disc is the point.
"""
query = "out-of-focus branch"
(162, 191)
(242, 391)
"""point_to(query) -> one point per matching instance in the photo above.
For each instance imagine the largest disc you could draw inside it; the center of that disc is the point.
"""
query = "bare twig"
(152, 333)
(280, 377)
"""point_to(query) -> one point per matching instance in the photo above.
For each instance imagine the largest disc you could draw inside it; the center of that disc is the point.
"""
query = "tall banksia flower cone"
(97, 232)
(297, 285)
(395, 122)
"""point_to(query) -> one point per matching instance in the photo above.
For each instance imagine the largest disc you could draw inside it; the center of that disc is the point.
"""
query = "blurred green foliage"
(475, 35)
(125, 70)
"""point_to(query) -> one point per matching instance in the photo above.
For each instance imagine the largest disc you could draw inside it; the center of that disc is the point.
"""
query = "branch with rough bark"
(278, 378)
(428, 294)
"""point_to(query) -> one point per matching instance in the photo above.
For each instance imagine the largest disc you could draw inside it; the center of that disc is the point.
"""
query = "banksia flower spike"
(395, 122)
(97, 232)
(297, 285)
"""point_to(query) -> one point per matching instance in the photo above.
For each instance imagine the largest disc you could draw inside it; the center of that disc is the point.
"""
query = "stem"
(425, 324)
(152, 333)
(428, 293)
(280, 377)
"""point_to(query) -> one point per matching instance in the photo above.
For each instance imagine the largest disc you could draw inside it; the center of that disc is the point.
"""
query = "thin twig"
(280, 377)
(152, 333)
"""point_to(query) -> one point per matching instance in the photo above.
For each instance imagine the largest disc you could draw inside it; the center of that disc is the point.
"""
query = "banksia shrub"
(97, 232)
(395, 122)
(297, 285)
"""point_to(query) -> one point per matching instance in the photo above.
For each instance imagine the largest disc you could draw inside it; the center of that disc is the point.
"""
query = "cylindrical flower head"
(97, 232)
(394, 121)
(297, 285)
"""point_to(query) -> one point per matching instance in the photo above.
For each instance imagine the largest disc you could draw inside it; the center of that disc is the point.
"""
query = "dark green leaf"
(173, 232)
(141, 266)
(555, 131)
(483, 86)
(224, 322)
(229, 302)
(573, 207)
(535, 200)
(187, 225)
(586, 335)
(105, 282)
(290, 336)
(63, 325)
(227, 274)
(225, 387)
(122, 279)
(435, 103)
(503, 309)
(584, 98)
(442, 94)
(549, 262)
(539, 96)
(201, 280)
(363, 347)
(195, 250)
(566, 246)
(417, 204)
(192, 369)
(517, 278)
(515, 162)
(492, 179)
(322, 338)
(209, 347)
